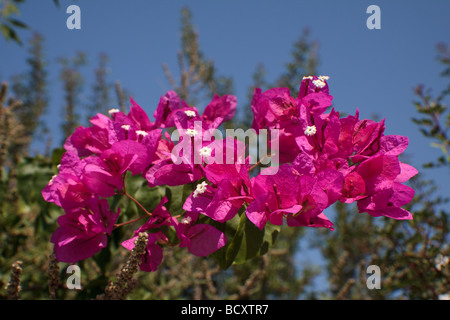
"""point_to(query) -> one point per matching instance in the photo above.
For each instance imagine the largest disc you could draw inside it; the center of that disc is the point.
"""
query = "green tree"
(198, 76)
(31, 89)
(9, 23)
(72, 81)
(100, 100)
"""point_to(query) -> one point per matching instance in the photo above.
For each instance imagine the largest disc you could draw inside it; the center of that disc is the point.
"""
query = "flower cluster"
(326, 159)
(323, 159)
(94, 168)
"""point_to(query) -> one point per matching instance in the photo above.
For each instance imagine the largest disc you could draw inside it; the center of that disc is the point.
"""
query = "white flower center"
(126, 127)
(111, 111)
(323, 78)
(201, 188)
(319, 83)
(141, 133)
(190, 113)
(191, 132)
(310, 130)
(186, 220)
(205, 151)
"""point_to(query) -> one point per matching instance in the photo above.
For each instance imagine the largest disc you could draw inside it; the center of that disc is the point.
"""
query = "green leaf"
(33, 174)
(17, 23)
(256, 242)
(10, 34)
(245, 240)
(102, 259)
(176, 196)
(233, 230)
(57, 155)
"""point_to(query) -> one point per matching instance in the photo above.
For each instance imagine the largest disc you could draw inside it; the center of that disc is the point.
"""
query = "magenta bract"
(323, 158)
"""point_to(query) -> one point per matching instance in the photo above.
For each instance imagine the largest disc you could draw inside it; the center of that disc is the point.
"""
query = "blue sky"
(373, 70)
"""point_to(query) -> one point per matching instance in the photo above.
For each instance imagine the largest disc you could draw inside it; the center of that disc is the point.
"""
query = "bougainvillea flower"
(66, 189)
(139, 117)
(200, 239)
(354, 188)
(288, 148)
(87, 141)
(319, 133)
(384, 193)
(313, 84)
(379, 172)
(298, 198)
(406, 172)
(388, 202)
(231, 163)
(264, 104)
(393, 144)
(324, 159)
(219, 110)
(220, 107)
(221, 203)
(229, 186)
(103, 174)
(101, 177)
(83, 232)
(167, 107)
(165, 172)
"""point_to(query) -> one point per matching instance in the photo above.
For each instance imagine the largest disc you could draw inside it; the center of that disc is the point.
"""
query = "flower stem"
(128, 222)
(259, 162)
(138, 203)
(124, 191)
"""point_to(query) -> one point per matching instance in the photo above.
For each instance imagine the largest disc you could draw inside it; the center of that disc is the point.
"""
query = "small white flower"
(190, 113)
(141, 133)
(186, 220)
(191, 132)
(126, 127)
(111, 111)
(319, 83)
(205, 151)
(201, 188)
(310, 130)
(323, 78)
(308, 77)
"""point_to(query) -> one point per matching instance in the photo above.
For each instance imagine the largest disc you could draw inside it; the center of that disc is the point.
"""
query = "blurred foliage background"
(413, 255)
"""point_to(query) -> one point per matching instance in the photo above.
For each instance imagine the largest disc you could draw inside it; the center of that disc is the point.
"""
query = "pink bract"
(323, 158)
